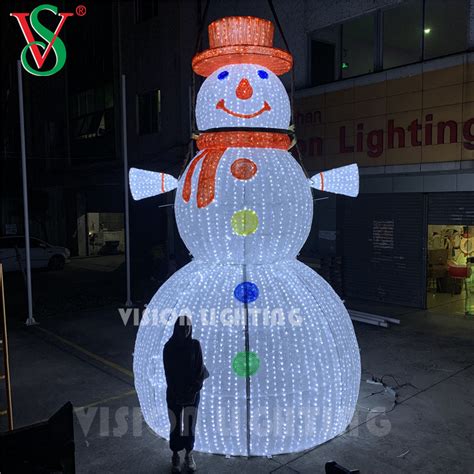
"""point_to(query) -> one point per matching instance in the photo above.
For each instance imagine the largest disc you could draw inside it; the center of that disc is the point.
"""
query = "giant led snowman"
(277, 340)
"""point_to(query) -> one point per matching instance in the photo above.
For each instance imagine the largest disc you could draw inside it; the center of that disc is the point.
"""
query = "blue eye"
(222, 75)
(263, 74)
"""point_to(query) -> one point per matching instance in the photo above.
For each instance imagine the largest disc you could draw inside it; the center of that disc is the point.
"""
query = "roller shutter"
(384, 239)
(451, 208)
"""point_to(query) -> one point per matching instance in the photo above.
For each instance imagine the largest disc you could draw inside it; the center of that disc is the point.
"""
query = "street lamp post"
(128, 302)
(31, 320)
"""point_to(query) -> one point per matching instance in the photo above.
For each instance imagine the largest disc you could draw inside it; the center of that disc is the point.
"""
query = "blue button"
(246, 292)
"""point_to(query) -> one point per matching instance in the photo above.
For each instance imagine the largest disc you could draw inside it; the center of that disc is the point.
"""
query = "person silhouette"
(185, 373)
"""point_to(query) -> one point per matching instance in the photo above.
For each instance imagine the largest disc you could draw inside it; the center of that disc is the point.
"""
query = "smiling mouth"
(221, 105)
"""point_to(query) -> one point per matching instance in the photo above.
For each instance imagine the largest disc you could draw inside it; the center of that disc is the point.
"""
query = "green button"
(245, 364)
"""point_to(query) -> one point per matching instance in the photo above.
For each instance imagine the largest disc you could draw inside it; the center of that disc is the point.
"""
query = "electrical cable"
(292, 89)
(197, 47)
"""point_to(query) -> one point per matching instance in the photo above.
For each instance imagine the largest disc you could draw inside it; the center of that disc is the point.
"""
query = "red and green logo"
(50, 41)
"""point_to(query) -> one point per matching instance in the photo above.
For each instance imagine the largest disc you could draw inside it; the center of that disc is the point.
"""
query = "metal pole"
(128, 303)
(247, 353)
(6, 361)
(31, 320)
(247, 365)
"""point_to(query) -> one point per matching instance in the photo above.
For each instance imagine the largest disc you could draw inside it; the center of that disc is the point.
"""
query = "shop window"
(450, 264)
(149, 110)
(106, 234)
(402, 34)
(92, 112)
(446, 27)
(358, 46)
(325, 55)
(145, 9)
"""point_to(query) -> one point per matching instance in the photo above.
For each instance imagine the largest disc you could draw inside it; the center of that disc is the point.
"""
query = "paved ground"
(86, 357)
(91, 282)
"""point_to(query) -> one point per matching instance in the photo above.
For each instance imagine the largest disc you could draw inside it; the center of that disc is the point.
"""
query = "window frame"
(422, 36)
(82, 118)
(157, 91)
(372, 14)
(468, 45)
(378, 56)
(337, 72)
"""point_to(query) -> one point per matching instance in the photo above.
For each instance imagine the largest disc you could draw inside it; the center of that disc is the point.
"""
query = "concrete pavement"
(86, 357)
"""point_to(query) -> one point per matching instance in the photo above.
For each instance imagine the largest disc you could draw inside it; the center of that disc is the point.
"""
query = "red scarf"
(213, 146)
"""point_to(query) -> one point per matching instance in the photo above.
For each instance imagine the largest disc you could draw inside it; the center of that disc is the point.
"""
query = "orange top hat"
(241, 40)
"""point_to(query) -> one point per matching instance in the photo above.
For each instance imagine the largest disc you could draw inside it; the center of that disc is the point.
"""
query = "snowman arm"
(144, 184)
(344, 180)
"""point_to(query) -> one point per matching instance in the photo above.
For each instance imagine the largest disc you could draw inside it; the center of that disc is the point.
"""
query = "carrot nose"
(244, 90)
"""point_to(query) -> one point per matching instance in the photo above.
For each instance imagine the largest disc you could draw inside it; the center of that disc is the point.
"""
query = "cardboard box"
(438, 257)
(437, 271)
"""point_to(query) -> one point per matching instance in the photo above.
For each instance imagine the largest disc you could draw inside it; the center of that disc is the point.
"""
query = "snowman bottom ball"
(302, 361)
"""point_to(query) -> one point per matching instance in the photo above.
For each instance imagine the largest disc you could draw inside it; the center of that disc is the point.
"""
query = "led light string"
(247, 339)
(292, 89)
(196, 132)
(244, 210)
(283, 131)
(197, 47)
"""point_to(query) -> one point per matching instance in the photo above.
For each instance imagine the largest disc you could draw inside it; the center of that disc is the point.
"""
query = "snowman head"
(242, 95)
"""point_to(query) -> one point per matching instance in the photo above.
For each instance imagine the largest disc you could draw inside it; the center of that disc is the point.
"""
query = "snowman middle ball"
(263, 219)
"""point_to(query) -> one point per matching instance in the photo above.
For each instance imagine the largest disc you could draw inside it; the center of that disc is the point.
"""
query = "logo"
(40, 50)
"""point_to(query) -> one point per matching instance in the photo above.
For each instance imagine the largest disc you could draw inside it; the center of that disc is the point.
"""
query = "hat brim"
(275, 59)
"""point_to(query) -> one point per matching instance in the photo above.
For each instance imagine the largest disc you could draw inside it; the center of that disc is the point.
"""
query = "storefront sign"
(374, 142)
(423, 118)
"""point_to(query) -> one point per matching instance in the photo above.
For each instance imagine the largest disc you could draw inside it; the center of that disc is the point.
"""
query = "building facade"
(395, 95)
(73, 124)
(387, 85)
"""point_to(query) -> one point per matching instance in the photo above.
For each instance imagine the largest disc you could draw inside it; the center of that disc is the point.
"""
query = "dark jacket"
(184, 367)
